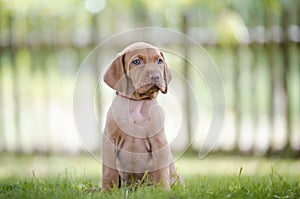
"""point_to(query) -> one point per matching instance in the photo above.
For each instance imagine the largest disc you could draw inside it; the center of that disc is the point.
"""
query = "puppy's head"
(139, 72)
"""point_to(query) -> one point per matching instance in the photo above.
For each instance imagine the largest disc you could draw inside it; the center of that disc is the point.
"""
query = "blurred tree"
(140, 12)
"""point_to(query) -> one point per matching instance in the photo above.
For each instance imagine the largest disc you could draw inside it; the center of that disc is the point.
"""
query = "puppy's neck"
(137, 96)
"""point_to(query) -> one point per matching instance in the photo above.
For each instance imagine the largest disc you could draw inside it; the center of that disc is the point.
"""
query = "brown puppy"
(134, 144)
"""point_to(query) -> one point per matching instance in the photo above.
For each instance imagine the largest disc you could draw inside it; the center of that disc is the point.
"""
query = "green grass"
(241, 178)
(273, 186)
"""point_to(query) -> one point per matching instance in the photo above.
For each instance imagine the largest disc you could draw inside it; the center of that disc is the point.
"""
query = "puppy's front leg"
(110, 176)
(161, 176)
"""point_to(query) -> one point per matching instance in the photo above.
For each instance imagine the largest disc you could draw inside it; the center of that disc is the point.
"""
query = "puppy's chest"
(139, 120)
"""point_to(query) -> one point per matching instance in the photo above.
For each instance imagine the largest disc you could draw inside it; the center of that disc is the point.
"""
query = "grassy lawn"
(212, 177)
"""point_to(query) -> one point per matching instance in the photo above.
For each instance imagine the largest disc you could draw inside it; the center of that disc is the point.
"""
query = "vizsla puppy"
(134, 144)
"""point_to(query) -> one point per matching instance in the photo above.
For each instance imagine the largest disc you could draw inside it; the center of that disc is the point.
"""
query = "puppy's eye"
(137, 61)
(160, 61)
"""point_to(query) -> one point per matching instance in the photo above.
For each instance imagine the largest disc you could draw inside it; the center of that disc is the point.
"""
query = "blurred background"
(254, 43)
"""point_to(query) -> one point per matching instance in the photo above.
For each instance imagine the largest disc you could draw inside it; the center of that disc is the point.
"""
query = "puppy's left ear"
(115, 75)
(168, 70)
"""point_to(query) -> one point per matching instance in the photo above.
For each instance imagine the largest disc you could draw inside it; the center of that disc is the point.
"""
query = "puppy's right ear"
(115, 74)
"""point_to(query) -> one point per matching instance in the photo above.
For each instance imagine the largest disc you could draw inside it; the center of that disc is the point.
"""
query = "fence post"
(297, 153)
(236, 94)
(94, 36)
(2, 135)
(268, 45)
(286, 72)
(186, 71)
(16, 89)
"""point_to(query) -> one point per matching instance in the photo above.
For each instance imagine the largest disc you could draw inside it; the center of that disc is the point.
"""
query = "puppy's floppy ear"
(115, 74)
(168, 70)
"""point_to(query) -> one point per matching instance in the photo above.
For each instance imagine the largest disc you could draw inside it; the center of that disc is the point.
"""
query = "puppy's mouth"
(149, 88)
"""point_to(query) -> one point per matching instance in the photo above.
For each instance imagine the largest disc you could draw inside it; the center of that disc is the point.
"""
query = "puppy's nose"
(154, 77)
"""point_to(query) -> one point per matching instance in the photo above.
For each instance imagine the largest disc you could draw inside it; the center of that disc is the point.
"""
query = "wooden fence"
(261, 77)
